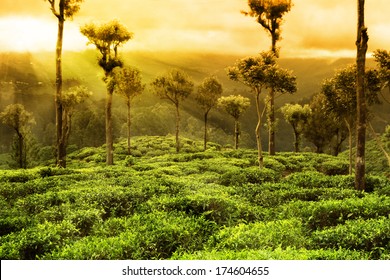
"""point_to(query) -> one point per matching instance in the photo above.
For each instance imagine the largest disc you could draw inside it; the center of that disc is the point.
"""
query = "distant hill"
(29, 78)
(39, 68)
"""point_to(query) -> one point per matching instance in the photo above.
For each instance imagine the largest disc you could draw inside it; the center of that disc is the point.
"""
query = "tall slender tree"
(207, 97)
(361, 45)
(269, 14)
(174, 86)
(107, 38)
(262, 72)
(62, 10)
(128, 84)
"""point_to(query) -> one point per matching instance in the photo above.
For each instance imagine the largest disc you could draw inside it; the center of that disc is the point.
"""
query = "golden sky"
(312, 28)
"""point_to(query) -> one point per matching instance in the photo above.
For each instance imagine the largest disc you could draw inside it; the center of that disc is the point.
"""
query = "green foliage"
(328, 213)
(314, 179)
(275, 254)
(35, 242)
(335, 167)
(251, 175)
(371, 235)
(212, 205)
(234, 105)
(150, 236)
(260, 235)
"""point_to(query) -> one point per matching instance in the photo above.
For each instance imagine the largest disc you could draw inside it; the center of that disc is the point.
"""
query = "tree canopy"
(269, 14)
(107, 37)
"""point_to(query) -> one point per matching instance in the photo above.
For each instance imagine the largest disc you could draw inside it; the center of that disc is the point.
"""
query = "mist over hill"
(28, 78)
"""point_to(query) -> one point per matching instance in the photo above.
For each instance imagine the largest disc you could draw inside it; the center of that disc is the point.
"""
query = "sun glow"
(36, 34)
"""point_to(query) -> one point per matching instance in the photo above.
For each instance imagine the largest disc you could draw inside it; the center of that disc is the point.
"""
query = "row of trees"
(343, 98)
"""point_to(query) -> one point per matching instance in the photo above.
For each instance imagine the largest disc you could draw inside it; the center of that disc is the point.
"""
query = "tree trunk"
(61, 147)
(361, 43)
(296, 140)
(258, 130)
(177, 127)
(271, 113)
(236, 133)
(20, 143)
(205, 130)
(66, 127)
(109, 136)
(271, 123)
(128, 127)
(350, 142)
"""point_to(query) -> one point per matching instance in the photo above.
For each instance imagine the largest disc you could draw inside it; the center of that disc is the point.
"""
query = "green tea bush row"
(321, 214)
(148, 236)
(275, 194)
(13, 224)
(18, 176)
(274, 254)
(260, 235)
(34, 242)
(371, 235)
(315, 179)
(251, 175)
(215, 204)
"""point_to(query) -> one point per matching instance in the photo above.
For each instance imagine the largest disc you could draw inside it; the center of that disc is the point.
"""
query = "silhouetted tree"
(70, 99)
(234, 105)
(340, 92)
(322, 125)
(16, 117)
(269, 14)
(174, 86)
(107, 38)
(298, 116)
(128, 84)
(207, 97)
(62, 10)
(382, 57)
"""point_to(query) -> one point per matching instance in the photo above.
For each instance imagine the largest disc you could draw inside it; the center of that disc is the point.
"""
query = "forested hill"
(35, 68)
(28, 78)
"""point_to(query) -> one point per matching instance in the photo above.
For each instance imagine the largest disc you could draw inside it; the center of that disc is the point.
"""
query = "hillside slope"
(29, 79)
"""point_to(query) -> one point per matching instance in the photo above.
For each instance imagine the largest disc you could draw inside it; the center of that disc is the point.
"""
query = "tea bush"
(252, 175)
(149, 236)
(35, 242)
(315, 179)
(321, 214)
(260, 235)
(215, 204)
(274, 254)
(334, 167)
(371, 235)
(158, 204)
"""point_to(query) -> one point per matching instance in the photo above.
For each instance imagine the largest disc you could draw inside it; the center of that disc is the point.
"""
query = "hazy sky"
(312, 28)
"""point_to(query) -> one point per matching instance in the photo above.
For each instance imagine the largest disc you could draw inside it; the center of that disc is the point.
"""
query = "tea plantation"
(157, 204)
